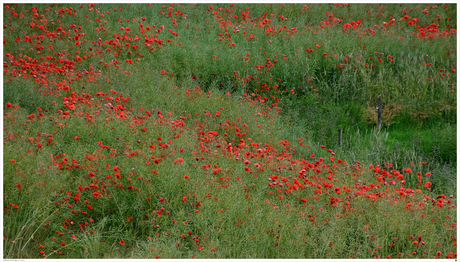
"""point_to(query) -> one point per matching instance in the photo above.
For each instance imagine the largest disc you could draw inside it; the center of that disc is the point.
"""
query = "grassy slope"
(342, 95)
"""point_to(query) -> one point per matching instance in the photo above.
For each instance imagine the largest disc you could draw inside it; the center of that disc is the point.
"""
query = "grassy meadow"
(212, 131)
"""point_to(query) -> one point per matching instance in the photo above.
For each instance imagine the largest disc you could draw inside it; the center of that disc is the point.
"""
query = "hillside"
(211, 131)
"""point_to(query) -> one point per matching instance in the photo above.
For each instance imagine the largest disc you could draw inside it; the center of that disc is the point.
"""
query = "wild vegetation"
(211, 131)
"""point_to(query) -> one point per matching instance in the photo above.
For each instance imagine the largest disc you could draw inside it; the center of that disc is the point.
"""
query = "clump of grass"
(388, 113)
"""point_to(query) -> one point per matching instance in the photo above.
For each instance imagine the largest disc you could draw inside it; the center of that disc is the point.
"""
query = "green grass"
(98, 182)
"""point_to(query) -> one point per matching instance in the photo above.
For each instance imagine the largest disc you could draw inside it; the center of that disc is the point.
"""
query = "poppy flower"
(97, 194)
(8, 105)
(337, 190)
(122, 242)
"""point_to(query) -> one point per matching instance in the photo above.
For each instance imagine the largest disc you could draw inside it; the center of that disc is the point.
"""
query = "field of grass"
(211, 131)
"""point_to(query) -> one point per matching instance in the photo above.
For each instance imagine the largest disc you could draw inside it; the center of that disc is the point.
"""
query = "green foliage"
(124, 141)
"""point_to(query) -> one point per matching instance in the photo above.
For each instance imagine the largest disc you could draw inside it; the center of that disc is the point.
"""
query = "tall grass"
(89, 173)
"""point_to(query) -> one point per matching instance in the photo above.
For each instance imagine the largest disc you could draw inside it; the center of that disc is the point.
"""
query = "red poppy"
(8, 105)
(122, 242)
(97, 194)
(337, 190)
